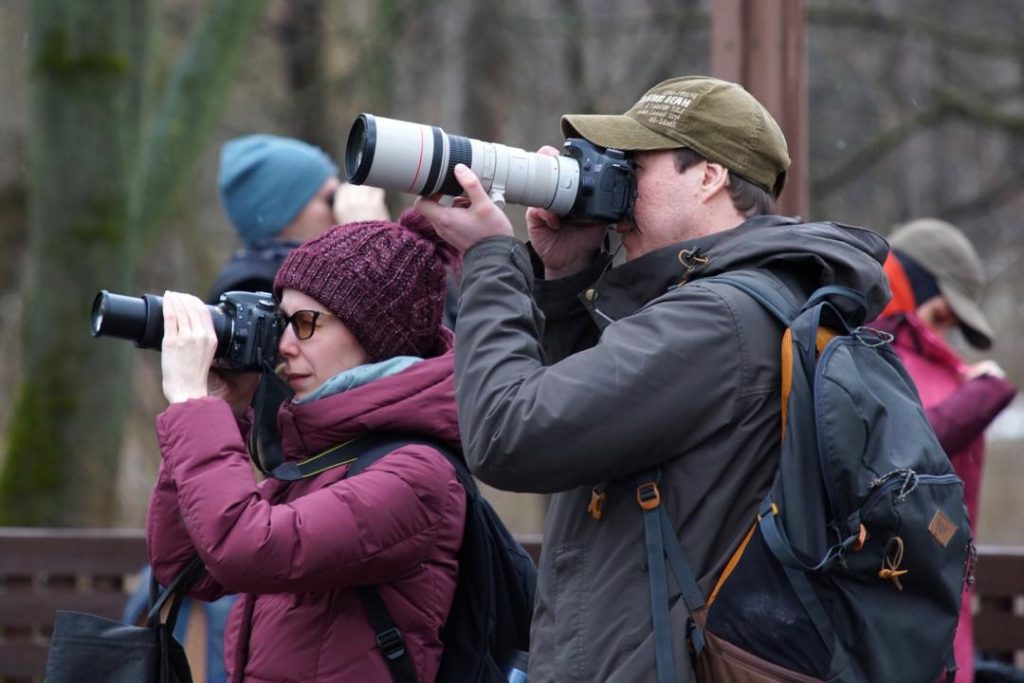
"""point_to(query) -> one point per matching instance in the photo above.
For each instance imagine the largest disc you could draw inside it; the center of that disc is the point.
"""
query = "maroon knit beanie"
(384, 280)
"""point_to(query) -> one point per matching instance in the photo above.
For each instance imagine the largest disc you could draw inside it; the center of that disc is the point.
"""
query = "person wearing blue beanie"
(277, 192)
(268, 184)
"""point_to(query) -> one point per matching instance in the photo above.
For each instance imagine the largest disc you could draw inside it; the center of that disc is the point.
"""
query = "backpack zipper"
(890, 484)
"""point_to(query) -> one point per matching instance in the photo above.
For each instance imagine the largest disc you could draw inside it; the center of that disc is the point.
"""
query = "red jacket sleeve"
(169, 545)
(369, 529)
(968, 411)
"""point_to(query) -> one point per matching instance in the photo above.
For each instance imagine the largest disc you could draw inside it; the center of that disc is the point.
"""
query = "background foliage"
(916, 108)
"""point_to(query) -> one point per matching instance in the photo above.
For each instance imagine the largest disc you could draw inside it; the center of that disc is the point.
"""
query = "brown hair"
(748, 198)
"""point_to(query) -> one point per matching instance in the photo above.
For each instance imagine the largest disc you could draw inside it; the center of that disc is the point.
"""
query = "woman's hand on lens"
(188, 347)
(359, 203)
(236, 388)
(471, 219)
(564, 249)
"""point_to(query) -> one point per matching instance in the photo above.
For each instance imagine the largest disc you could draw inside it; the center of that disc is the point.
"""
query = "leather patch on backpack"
(942, 528)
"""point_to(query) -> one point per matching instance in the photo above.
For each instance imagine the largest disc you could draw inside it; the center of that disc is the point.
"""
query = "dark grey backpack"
(856, 564)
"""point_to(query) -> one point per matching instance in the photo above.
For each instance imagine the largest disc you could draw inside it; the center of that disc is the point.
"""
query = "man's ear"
(714, 180)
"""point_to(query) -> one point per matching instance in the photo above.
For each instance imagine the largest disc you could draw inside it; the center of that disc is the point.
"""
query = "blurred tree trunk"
(485, 108)
(301, 34)
(95, 189)
(190, 107)
(378, 55)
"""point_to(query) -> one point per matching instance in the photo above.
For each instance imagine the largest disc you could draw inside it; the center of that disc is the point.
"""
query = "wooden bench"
(999, 603)
(93, 570)
(43, 570)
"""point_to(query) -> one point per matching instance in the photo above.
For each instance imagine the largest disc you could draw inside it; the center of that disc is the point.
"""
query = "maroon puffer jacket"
(296, 551)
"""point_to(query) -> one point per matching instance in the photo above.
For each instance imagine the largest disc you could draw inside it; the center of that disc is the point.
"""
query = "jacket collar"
(417, 400)
(624, 289)
(914, 336)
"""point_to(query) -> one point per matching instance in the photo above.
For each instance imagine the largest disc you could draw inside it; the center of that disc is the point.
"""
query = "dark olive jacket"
(562, 385)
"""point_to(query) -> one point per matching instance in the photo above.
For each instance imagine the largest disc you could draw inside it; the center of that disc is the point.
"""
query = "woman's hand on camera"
(564, 249)
(188, 347)
(471, 218)
(236, 388)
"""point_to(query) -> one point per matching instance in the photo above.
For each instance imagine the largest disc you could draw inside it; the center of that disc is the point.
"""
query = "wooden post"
(761, 45)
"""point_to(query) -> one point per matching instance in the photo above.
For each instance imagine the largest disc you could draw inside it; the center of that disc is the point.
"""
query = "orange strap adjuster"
(597, 497)
(862, 538)
(648, 495)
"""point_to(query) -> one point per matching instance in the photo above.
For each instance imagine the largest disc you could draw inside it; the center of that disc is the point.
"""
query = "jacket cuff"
(496, 249)
(560, 297)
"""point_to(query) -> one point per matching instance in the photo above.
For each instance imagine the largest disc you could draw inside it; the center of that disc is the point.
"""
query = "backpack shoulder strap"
(389, 639)
(663, 547)
(850, 306)
(662, 543)
(361, 453)
(764, 289)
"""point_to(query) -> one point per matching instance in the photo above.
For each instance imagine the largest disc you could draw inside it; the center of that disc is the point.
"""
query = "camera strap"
(339, 455)
(264, 443)
(366, 449)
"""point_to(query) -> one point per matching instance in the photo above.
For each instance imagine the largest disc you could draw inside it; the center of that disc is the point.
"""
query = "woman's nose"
(287, 345)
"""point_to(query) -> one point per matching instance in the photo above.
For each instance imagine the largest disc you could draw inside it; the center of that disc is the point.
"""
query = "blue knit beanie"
(266, 180)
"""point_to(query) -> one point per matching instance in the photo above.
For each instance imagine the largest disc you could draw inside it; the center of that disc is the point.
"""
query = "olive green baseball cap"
(717, 119)
(948, 256)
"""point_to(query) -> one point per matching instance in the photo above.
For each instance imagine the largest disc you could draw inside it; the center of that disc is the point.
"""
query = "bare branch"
(990, 198)
(979, 109)
(847, 17)
(874, 150)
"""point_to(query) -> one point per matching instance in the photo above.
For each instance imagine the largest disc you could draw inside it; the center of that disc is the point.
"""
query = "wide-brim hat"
(946, 253)
(717, 119)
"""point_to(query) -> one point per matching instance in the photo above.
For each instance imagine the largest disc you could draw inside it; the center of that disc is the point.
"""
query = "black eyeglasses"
(303, 322)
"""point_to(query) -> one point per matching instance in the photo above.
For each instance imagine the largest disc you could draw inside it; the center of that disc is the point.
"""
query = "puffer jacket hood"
(419, 400)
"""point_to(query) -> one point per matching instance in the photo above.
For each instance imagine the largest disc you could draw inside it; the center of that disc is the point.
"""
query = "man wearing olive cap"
(938, 280)
(572, 374)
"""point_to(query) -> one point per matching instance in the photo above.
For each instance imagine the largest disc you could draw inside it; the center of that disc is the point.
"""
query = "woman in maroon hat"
(364, 350)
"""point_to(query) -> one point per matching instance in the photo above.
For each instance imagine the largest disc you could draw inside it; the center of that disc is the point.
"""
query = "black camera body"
(607, 189)
(247, 324)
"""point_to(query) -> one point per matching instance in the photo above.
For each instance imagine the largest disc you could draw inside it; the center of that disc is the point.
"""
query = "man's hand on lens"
(471, 219)
(564, 249)
(188, 347)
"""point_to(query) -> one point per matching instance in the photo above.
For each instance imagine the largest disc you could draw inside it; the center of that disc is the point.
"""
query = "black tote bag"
(89, 649)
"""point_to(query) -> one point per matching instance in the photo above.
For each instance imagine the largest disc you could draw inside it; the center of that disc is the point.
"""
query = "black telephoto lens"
(138, 319)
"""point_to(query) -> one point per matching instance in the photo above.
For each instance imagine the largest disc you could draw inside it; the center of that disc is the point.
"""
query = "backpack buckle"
(597, 498)
(648, 495)
(391, 644)
(861, 539)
